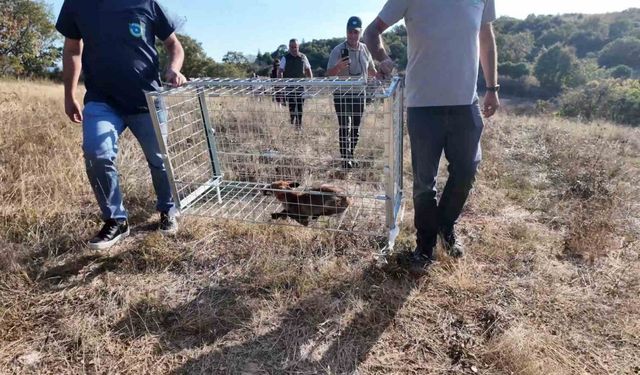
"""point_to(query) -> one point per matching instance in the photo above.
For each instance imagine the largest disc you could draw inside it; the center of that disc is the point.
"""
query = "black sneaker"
(112, 231)
(452, 246)
(419, 261)
(168, 223)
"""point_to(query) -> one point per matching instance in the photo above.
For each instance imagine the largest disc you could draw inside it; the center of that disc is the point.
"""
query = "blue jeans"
(456, 130)
(101, 129)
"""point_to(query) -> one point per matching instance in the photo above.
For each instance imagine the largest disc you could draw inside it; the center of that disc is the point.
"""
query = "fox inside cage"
(323, 153)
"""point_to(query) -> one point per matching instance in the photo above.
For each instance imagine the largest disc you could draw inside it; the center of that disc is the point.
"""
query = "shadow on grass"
(329, 329)
(94, 265)
(310, 338)
(213, 313)
(58, 235)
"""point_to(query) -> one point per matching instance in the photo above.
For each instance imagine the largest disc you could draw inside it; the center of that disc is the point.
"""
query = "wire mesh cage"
(324, 153)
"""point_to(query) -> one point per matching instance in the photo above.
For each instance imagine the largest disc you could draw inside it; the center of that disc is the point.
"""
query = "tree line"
(31, 47)
(539, 56)
(542, 57)
(236, 64)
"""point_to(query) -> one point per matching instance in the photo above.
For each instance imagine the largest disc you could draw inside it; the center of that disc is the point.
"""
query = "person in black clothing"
(274, 69)
(114, 44)
(278, 96)
(295, 65)
(350, 58)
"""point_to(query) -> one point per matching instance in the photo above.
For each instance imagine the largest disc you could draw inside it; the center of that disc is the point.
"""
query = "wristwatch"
(495, 88)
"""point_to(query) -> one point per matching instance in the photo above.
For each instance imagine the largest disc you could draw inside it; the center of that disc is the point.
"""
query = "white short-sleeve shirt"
(443, 48)
(361, 60)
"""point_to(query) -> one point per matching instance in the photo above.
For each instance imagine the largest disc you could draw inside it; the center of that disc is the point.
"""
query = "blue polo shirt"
(119, 60)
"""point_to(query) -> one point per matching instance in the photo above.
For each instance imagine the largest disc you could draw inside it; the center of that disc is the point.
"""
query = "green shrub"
(514, 70)
(621, 71)
(525, 87)
(611, 99)
(556, 67)
(625, 51)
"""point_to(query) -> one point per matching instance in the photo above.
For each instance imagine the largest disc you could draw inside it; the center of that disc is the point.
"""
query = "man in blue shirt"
(113, 43)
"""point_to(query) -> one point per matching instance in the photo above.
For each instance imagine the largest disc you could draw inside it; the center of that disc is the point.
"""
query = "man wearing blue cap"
(113, 43)
(350, 59)
(447, 40)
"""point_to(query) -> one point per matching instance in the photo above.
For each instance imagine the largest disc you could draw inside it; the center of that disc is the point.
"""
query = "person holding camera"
(350, 59)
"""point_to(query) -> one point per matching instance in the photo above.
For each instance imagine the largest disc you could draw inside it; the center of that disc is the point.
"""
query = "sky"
(251, 25)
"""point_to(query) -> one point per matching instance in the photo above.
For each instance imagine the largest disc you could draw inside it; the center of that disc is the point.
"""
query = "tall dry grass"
(550, 285)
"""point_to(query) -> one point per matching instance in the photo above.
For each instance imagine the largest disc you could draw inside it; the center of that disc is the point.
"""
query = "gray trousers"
(456, 130)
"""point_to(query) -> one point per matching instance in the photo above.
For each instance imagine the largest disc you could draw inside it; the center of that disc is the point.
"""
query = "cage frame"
(390, 91)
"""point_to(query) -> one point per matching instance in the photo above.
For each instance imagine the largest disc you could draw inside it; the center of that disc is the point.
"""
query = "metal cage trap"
(324, 153)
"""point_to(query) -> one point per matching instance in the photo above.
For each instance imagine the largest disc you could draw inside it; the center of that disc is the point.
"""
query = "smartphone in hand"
(344, 54)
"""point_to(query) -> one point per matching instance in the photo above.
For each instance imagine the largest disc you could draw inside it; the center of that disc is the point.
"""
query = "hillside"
(550, 284)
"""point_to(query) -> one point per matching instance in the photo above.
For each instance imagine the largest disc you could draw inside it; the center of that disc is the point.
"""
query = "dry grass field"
(550, 285)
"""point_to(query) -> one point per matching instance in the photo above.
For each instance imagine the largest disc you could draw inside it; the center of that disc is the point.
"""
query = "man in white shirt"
(350, 59)
(446, 40)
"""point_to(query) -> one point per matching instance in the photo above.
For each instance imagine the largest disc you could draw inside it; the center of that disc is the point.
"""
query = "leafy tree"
(539, 25)
(595, 25)
(27, 38)
(554, 67)
(614, 100)
(587, 41)
(515, 48)
(196, 62)
(234, 57)
(398, 52)
(620, 29)
(625, 51)
(317, 51)
(586, 70)
(396, 41)
(621, 71)
(551, 37)
(226, 71)
(263, 59)
(514, 70)
(279, 52)
(507, 25)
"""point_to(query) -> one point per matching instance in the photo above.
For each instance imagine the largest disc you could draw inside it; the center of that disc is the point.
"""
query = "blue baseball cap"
(354, 23)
